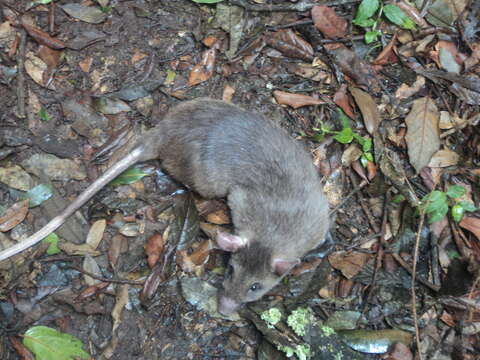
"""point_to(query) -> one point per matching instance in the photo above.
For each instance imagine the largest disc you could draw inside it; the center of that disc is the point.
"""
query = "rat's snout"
(227, 305)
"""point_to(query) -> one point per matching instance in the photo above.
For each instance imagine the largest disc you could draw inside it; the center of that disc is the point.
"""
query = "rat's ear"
(283, 266)
(229, 242)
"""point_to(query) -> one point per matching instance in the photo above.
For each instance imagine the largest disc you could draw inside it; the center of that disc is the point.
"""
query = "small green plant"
(370, 13)
(346, 136)
(43, 114)
(437, 203)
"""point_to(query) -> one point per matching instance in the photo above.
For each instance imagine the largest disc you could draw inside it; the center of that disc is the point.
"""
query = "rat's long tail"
(135, 156)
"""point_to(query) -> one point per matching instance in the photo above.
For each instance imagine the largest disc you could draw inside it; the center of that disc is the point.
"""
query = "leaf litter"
(97, 74)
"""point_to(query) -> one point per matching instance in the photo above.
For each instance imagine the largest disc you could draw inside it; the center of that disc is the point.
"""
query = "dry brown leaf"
(95, 234)
(118, 245)
(21, 350)
(328, 22)
(203, 70)
(43, 37)
(49, 56)
(92, 267)
(137, 56)
(387, 55)
(219, 217)
(405, 91)
(82, 249)
(290, 44)
(85, 64)
(228, 92)
(444, 158)
(368, 108)
(349, 263)
(154, 249)
(358, 70)
(471, 224)
(295, 100)
(14, 215)
(342, 99)
(423, 135)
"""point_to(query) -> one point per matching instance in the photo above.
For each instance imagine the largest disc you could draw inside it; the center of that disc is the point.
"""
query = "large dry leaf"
(14, 215)
(368, 108)
(423, 135)
(444, 158)
(204, 69)
(290, 44)
(295, 100)
(472, 224)
(328, 22)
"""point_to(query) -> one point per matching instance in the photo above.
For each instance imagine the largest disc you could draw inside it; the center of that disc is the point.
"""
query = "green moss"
(271, 317)
(299, 319)
(327, 330)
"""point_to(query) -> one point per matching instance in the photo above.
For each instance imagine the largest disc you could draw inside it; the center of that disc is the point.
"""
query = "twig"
(21, 75)
(354, 191)
(407, 267)
(365, 209)
(414, 272)
(102, 279)
(379, 256)
(299, 6)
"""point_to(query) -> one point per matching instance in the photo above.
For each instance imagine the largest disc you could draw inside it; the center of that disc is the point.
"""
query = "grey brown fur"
(272, 187)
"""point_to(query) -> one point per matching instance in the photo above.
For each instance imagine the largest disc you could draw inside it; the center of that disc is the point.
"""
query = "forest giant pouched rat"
(273, 190)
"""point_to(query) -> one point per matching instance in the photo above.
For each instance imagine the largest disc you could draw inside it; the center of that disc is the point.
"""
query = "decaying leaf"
(43, 38)
(54, 167)
(368, 108)
(471, 224)
(154, 249)
(423, 135)
(350, 263)
(16, 178)
(328, 22)
(95, 234)
(89, 14)
(290, 44)
(204, 69)
(444, 158)
(14, 215)
(295, 100)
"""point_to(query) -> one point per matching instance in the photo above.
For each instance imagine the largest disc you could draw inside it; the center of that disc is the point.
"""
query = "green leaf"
(363, 161)
(365, 23)
(129, 177)
(398, 198)
(434, 201)
(42, 2)
(455, 191)
(398, 17)
(457, 212)
(467, 206)
(207, 1)
(52, 240)
(367, 145)
(439, 213)
(371, 36)
(49, 344)
(366, 9)
(43, 114)
(38, 194)
(344, 120)
(345, 136)
(368, 156)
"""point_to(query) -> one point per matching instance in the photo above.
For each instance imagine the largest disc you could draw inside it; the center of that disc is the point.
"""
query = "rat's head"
(252, 271)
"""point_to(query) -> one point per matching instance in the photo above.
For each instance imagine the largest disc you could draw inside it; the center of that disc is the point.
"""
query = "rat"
(273, 190)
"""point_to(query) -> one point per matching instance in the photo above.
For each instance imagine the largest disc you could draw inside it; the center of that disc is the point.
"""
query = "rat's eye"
(255, 287)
